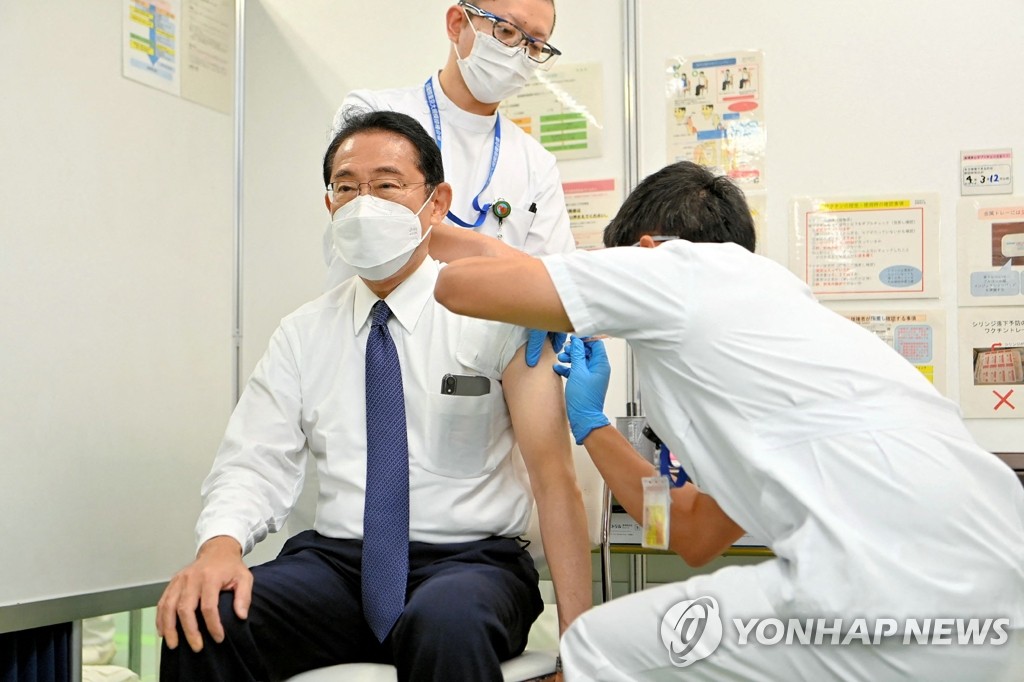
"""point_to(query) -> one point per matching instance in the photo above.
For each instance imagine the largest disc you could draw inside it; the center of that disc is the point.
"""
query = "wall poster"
(561, 109)
(918, 335)
(990, 251)
(991, 347)
(715, 114)
(867, 247)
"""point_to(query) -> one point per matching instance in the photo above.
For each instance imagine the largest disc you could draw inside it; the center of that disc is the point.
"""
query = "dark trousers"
(469, 606)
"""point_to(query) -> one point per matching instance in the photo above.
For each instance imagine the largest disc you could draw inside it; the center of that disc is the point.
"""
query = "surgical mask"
(494, 71)
(376, 237)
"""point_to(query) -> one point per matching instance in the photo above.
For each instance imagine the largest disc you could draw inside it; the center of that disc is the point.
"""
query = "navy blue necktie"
(385, 568)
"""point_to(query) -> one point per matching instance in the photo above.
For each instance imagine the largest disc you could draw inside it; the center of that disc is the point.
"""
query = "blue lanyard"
(428, 90)
(680, 479)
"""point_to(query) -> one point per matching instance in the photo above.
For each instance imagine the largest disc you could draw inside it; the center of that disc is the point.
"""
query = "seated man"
(414, 559)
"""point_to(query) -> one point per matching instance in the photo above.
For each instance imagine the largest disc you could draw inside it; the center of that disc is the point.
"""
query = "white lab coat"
(815, 437)
(525, 175)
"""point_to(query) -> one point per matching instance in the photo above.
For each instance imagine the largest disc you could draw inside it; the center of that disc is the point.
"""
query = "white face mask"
(377, 237)
(494, 71)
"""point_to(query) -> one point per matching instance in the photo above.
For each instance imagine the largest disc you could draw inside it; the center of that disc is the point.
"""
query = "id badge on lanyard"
(658, 501)
(500, 208)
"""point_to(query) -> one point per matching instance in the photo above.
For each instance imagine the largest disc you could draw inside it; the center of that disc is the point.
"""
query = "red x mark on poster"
(1004, 399)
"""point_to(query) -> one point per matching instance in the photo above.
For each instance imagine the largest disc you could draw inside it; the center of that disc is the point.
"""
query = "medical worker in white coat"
(504, 183)
(797, 426)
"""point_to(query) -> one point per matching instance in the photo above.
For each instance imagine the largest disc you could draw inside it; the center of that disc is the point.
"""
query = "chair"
(542, 648)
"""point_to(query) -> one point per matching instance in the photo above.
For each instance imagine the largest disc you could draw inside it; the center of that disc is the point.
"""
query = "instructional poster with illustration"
(991, 351)
(591, 205)
(715, 114)
(990, 251)
(561, 109)
(867, 247)
(918, 335)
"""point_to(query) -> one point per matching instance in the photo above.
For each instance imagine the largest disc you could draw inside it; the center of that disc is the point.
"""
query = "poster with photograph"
(867, 247)
(990, 251)
(715, 114)
(991, 347)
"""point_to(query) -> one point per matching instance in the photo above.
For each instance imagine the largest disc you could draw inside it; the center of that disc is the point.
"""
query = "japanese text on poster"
(151, 47)
(591, 205)
(992, 362)
(877, 247)
(185, 49)
(986, 171)
(919, 336)
(990, 251)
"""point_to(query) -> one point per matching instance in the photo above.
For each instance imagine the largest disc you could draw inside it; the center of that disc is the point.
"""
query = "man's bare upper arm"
(537, 409)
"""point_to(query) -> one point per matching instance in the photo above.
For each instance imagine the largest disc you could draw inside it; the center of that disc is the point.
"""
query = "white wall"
(115, 295)
(862, 98)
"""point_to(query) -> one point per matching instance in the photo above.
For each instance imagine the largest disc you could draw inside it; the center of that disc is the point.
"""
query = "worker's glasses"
(390, 189)
(510, 35)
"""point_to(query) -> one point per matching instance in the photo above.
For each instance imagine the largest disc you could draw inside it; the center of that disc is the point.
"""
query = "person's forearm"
(564, 532)
(698, 529)
(621, 466)
(514, 290)
(704, 531)
(449, 243)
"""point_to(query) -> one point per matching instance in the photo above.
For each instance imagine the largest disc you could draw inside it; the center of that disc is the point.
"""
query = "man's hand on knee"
(217, 567)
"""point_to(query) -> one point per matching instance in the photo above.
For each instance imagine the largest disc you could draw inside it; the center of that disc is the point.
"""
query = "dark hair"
(428, 156)
(684, 200)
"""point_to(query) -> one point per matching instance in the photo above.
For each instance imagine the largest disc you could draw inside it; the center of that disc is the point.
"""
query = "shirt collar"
(407, 301)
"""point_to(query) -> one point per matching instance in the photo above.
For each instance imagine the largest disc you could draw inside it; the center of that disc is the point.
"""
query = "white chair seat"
(531, 665)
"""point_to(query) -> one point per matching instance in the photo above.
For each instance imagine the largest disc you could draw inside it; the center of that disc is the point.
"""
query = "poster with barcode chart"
(561, 109)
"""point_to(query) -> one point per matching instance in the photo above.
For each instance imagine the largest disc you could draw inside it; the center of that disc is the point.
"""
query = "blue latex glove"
(535, 344)
(586, 386)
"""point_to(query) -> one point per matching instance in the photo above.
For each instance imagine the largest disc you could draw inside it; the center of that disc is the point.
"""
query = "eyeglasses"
(389, 189)
(510, 35)
(659, 238)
